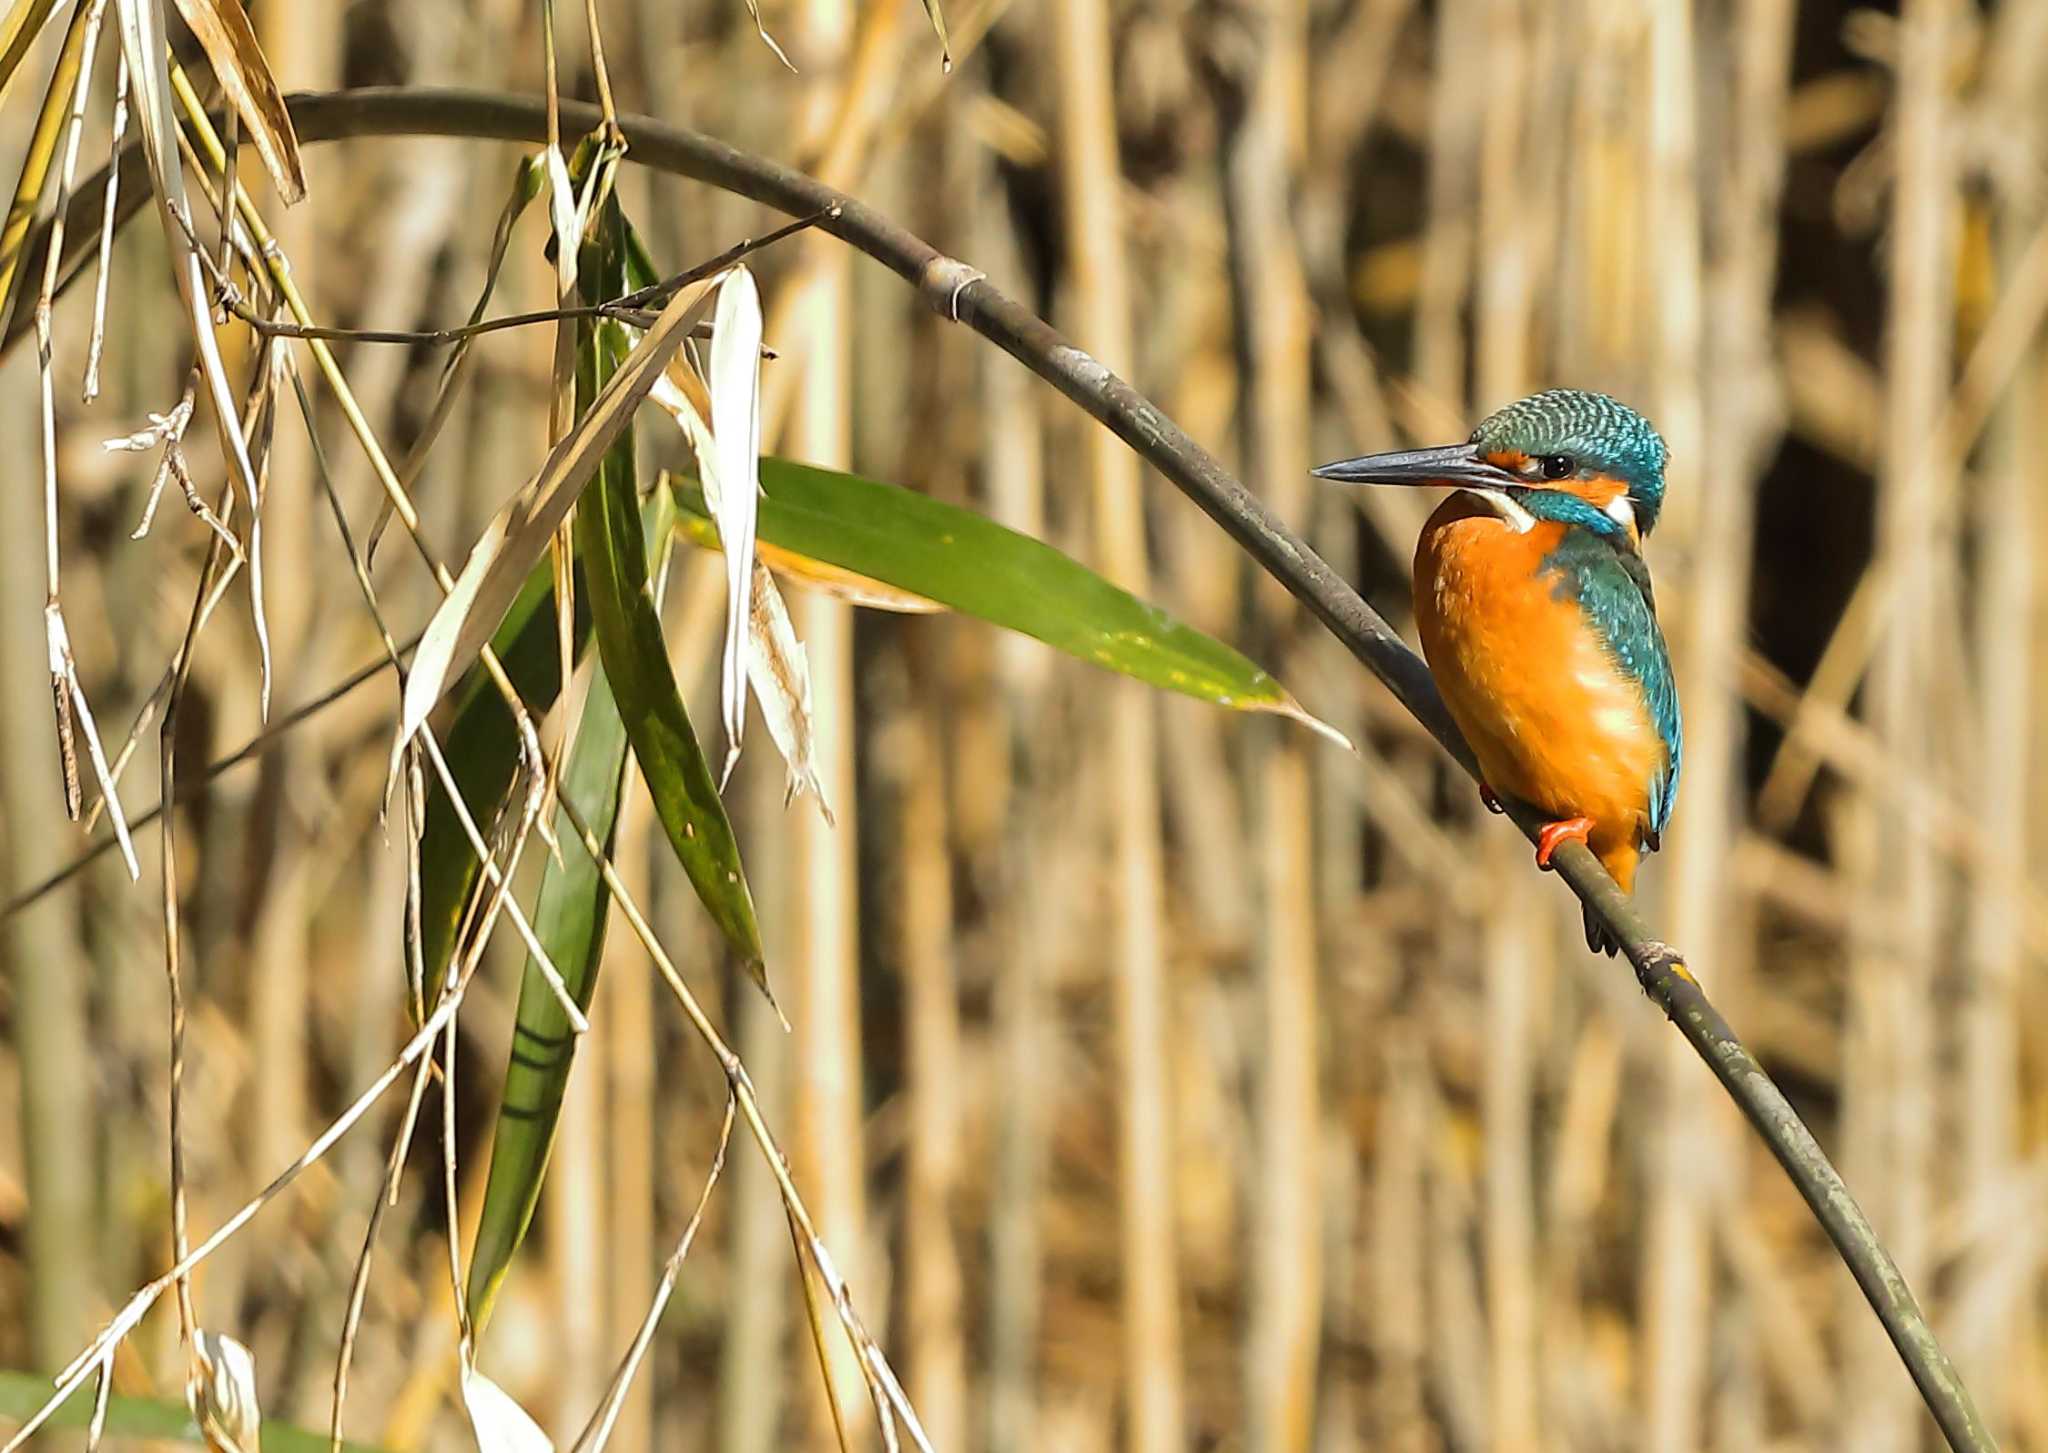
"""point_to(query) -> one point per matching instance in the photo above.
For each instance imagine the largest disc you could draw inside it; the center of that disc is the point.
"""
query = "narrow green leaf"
(574, 904)
(569, 920)
(636, 658)
(482, 747)
(975, 566)
(22, 1393)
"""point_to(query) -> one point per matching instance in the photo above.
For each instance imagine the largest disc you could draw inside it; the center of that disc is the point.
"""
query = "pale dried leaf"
(220, 1389)
(754, 9)
(782, 684)
(513, 541)
(775, 665)
(223, 30)
(72, 706)
(566, 216)
(500, 1424)
(736, 446)
(143, 45)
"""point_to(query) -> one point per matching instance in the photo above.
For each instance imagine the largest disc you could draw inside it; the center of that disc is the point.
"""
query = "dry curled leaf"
(220, 1388)
(223, 30)
(736, 449)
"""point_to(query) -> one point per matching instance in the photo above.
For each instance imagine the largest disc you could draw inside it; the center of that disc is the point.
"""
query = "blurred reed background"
(1160, 1077)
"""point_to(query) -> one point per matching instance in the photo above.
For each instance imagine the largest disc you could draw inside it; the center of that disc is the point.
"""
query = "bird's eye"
(1557, 466)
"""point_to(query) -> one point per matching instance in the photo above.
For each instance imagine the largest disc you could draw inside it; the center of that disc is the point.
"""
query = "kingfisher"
(1538, 621)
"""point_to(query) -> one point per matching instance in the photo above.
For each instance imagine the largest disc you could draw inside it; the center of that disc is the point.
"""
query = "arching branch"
(958, 292)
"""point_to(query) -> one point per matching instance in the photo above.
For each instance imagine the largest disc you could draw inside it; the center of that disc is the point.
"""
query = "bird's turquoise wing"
(1613, 586)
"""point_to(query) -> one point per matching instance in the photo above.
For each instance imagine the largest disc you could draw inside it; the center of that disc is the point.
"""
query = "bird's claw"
(1553, 835)
(1491, 798)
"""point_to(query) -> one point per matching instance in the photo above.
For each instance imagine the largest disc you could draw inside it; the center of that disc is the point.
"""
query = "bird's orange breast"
(1546, 708)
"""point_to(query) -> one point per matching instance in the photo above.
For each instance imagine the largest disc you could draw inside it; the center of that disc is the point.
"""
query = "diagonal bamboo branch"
(959, 292)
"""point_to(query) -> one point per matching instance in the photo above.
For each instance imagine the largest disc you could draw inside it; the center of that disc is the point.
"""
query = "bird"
(1539, 623)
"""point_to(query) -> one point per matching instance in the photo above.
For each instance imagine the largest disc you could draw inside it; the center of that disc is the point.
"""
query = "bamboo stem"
(1894, 978)
(1101, 300)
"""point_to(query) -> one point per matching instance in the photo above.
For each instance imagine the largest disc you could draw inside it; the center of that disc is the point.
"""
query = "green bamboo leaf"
(482, 748)
(975, 566)
(685, 796)
(574, 903)
(628, 630)
(569, 920)
(22, 1393)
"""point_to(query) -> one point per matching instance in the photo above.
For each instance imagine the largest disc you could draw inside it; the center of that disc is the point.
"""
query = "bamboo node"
(946, 278)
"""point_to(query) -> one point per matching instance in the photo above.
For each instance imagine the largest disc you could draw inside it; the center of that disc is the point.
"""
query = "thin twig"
(248, 751)
(599, 1429)
(125, 1321)
(637, 309)
(359, 1281)
(97, 341)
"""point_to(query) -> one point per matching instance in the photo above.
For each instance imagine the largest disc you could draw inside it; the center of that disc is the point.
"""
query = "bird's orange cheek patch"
(1600, 491)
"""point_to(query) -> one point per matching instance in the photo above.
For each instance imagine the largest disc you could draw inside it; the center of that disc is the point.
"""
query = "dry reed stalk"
(1518, 926)
(1895, 980)
(1992, 1318)
(1580, 1172)
(1514, 945)
(577, 1210)
(1347, 74)
(825, 952)
(1283, 1329)
(1454, 142)
(932, 1281)
(756, 1368)
(50, 1035)
(1012, 456)
(55, 1089)
(1203, 795)
(306, 51)
(1397, 1328)
(1282, 1341)
(1016, 1252)
(1458, 1362)
(627, 1017)
(830, 1149)
(1100, 298)
(1690, 1155)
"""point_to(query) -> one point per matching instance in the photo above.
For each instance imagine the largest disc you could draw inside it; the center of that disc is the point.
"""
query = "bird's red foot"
(1554, 834)
(1491, 798)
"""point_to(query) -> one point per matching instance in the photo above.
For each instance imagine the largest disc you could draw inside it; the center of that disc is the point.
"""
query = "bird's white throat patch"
(1519, 520)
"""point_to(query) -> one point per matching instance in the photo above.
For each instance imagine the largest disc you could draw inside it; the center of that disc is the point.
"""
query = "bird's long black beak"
(1456, 465)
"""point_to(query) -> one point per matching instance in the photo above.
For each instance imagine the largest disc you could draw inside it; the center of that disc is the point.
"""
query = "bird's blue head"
(1571, 439)
(1564, 441)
